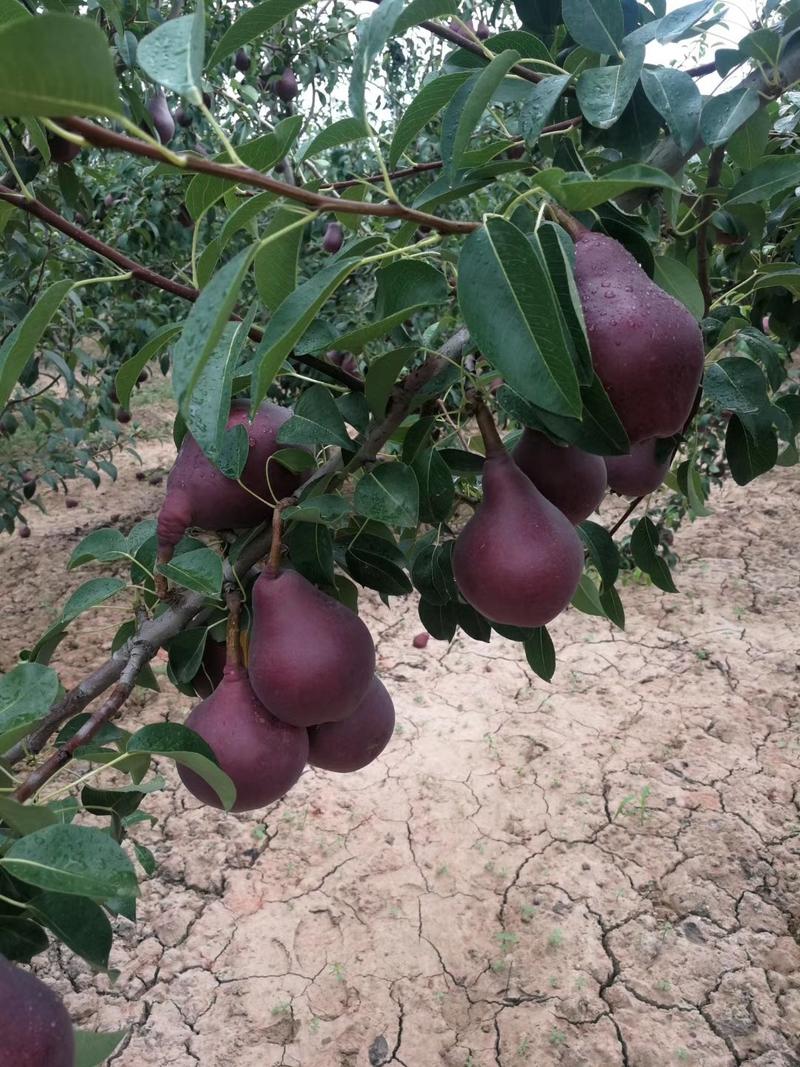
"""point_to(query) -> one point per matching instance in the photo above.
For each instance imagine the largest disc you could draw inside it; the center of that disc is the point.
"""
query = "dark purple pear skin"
(162, 117)
(311, 659)
(35, 1029)
(356, 741)
(200, 495)
(647, 349)
(518, 560)
(573, 480)
(638, 473)
(262, 756)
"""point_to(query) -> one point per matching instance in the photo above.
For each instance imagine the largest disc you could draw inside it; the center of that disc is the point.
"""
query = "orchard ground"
(603, 871)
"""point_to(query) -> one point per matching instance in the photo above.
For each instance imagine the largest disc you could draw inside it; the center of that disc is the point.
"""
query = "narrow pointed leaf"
(253, 23)
(426, 105)
(21, 343)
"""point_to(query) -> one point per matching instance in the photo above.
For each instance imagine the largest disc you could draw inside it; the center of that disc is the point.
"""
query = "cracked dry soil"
(598, 872)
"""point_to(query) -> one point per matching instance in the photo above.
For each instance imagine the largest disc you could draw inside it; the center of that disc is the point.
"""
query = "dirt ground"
(598, 872)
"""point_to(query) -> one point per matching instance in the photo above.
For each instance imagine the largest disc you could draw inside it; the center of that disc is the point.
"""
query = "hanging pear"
(359, 739)
(518, 560)
(262, 756)
(311, 659)
(640, 472)
(573, 480)
(647, 348)
(198, 494)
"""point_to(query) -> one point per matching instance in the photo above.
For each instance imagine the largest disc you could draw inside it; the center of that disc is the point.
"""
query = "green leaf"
(680, 281)
(260, 154)
(373, 33)
(172, 54)
(596, 24)
(311, 551)
(749, 451)
(644, 545)
(772, 176)
(26, 693)
(475, 103)
(737, 384)
(749, 143)
(199, 570)
(11, 10)
(316, 421)
(436, 489)
(375, 571)
(291, 320)
(501, 279)
(539, 105)
(764, 46)
(440, 620)
(89, 595)
(245, 214)
(101, 545)
(425, 105)
(724, 114)
(604, 92)
(254, 22)
(203, 327)
(129, 372)
(93, 1049)
(587, 598)
(77, 921)
(79, 860)
(675, 96)
(21, 938)
(579, 191)
(612, 605)
(417, 11)
(540, 653)
(603, 552)
(19, 346)
(345, 131)
(388, 493)
(25, 818)
(295, 460)
(403, 288)
(186, 747)
(557, 251)
(382, 374)
(275, 265)
(674, 25)
(56, 65)
(325, 508)
(473, 623)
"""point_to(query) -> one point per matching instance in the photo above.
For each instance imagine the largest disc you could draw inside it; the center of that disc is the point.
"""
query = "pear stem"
(274, 564)
(575, 229)
(233, 648)
(492, 442)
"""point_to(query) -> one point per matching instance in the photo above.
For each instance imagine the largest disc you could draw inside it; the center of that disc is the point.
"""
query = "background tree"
(419, 228)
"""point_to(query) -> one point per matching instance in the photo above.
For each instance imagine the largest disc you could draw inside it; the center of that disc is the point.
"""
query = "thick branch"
(104, 138)
(186, 292)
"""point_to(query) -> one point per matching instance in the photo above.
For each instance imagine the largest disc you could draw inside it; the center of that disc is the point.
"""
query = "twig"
(101, 137)
(715, 161)
(626, 515)
(186, 292)
(140, 654)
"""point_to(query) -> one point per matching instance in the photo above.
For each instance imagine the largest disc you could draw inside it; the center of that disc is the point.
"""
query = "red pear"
(647, 349)
(36, 1030)
(262, 756)
(638, 473)
(518, 560)
(573, 480)
(311, 658)
(357, 740)
(200, 495)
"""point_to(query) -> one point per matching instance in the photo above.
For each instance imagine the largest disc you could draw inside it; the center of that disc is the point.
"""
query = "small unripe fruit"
(25, 531)
(28, 477)
(207, 99)
(334, 237)
(71, 502)
(123, 415)
(62, 150)
(162, 118)
(516, 151)
(286, 86)
(109, 200)
(421, 640)
(142, 377)
(184, 218)
(183, 118)
(483, 31)
(242, 61)
(8, 425)
(29, 488)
